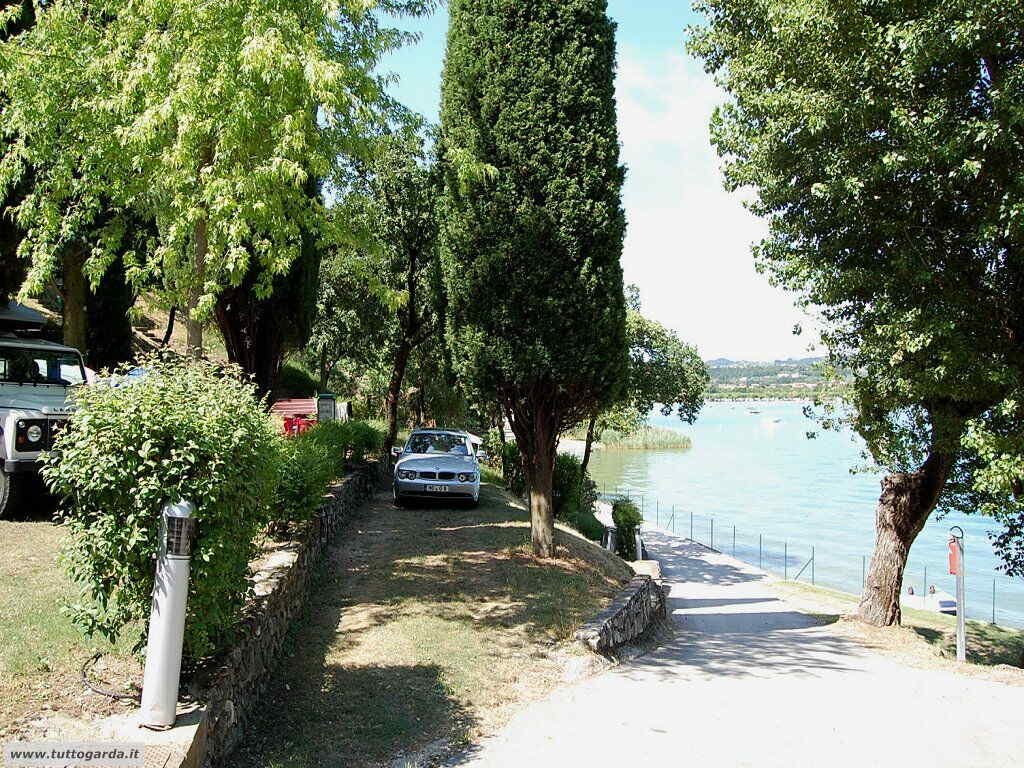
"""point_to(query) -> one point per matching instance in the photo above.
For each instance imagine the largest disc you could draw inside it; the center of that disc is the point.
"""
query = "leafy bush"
(627, 519)
(575, 495)
(311, 460)
(297, 382)
(306, 466)
(186, 430)
(512, 469)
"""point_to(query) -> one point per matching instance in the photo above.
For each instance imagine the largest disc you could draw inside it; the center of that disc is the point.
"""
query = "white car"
(438, 464)
(35, 377)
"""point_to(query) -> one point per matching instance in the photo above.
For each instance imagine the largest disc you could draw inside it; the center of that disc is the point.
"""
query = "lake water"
(759, 473)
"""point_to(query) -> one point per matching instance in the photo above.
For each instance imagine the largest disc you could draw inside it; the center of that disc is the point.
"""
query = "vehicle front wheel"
(399, 501)
(6, 483)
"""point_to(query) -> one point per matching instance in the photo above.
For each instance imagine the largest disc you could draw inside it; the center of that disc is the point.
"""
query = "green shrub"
(295, 381)
(307, 464)
(312, 460)
(186, 430)
(575, 495)
(512, 469)
(627, 519)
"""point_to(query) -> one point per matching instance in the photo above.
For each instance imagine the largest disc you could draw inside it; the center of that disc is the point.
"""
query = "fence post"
(785, 561)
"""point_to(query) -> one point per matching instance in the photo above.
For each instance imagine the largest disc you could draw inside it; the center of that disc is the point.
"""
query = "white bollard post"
(167, 618)
(639, 545)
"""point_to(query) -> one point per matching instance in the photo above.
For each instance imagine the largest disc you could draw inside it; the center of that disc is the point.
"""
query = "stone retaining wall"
(634, 610)
(232, 691)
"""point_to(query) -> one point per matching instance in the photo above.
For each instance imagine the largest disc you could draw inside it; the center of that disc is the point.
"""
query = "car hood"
(436, 462)
(47, 399)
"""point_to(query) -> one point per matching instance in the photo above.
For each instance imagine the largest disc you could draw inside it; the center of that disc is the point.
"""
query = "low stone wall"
(634, 610)
(232, 691)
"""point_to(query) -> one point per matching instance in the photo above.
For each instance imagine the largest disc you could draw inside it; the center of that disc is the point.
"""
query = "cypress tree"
(532, 219)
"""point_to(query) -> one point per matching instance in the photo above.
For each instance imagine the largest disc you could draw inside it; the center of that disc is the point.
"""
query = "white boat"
(938, 601)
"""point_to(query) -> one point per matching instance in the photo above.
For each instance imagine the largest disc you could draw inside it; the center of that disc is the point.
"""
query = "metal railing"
(771, 555)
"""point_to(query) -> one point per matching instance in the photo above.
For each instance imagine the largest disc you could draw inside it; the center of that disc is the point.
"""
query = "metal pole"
(785, 560)
(961, 602)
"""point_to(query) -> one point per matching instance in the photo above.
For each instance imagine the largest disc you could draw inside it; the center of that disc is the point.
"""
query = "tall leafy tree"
(210, 118)
(884, 142)
(532, 219)
(15, 17)
(663, 371)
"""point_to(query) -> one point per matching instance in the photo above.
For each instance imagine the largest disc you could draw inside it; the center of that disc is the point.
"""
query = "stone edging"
(637, 607)
(233, 690)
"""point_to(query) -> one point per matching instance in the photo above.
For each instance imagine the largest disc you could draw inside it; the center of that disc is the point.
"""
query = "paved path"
(749, 681)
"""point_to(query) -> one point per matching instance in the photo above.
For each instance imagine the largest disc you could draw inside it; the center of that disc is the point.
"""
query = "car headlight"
(34, 433)
(467, 477)
(406, 474)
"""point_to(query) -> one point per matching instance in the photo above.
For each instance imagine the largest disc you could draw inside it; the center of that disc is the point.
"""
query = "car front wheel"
(6, 481)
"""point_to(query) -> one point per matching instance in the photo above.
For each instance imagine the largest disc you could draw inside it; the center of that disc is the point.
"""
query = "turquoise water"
(760, 473)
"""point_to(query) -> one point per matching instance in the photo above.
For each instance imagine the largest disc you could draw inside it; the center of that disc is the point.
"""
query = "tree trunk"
(394, 391)
(542, 512)
(193, 326)
(75, 295)
(537, 436)
(170, 326)
(590, 442)
(903, 508)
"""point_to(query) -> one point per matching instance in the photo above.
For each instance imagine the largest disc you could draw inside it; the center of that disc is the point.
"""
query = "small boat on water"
(938, 601)
(753, 411)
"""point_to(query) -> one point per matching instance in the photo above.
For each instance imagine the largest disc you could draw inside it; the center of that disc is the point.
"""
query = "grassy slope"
(41, 652)
(429, 624)
(987, 644)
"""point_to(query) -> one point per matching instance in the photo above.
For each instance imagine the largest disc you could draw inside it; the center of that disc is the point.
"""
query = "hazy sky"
(688, 244)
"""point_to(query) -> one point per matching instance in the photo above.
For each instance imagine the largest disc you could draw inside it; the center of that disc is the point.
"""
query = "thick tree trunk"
(75, 295)
(537, 436)
(108, 328)
(590, 443)
(542, 509)
(903, 508)
(394, 391)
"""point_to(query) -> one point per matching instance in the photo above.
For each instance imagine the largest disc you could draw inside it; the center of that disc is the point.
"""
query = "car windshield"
(21, 365)
(437, 442)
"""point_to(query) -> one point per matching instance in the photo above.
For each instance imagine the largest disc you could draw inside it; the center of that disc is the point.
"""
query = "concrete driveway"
(748, 680)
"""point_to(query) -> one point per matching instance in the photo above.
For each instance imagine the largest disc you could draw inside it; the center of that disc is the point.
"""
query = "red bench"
(299, 415)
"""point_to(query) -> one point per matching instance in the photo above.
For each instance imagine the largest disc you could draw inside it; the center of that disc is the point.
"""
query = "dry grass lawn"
(430, 626)
(41, 652)
(925, 639)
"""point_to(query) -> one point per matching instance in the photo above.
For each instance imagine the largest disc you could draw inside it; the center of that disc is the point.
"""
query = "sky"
(688, 242)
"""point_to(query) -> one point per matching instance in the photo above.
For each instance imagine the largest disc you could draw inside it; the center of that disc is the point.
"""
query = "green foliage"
(296, 381)
(532, 221)
(512, 468)
(627, 519)
(574, 495)
(186, 430)
(310, 461)
(647, 438)
(210, 118)
(883, 143)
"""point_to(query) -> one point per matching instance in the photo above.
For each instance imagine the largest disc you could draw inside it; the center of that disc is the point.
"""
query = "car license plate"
(438, 488)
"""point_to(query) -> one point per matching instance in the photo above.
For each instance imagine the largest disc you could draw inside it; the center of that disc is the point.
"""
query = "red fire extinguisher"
(954, 556)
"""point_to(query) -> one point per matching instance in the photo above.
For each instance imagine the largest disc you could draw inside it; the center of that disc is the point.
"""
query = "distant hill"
(795, 378)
